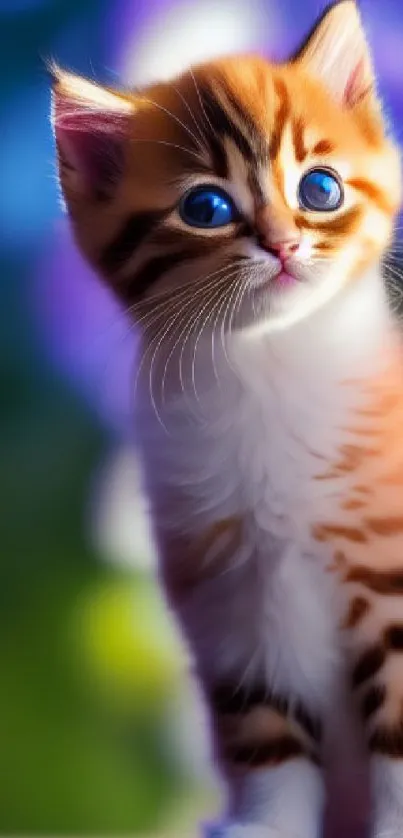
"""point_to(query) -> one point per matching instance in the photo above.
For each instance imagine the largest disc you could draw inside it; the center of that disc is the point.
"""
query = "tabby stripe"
(344, 223)
(273, 752)
(244, 229)
(368, 665)
(312, 726)
(323, 147)
(394, 638)
(297, 711)
(386, 526)
(373, 700)
(328, 532)
(325, 246)
(372, 192)
(259, 142)
(388, 741)
(219, 157)
(224, 126)
(357, 610)
(298, 138)
(134, 231)
(165, 237)
(152, 271)
(281, 118)
(255, 187)
(373, 659)
(242, 115)
(227, 700)
(380, 581)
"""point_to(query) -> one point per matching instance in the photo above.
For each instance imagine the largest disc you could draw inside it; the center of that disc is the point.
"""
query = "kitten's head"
(242, 192)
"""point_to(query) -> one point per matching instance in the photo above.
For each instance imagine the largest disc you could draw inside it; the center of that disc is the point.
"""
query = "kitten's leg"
(375, 626)
(267, 744)
(269, 754)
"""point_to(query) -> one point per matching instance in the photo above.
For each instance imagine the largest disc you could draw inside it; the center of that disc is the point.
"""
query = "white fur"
(266, 797)
(249, 446)
(388, 796)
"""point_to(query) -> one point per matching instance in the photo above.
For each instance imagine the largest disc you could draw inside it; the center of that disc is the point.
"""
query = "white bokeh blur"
(191, 32)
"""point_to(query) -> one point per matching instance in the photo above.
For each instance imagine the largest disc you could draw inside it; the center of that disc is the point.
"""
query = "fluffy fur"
(268, 409)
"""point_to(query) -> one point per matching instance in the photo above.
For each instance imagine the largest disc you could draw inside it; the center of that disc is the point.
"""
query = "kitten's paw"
(240, 830)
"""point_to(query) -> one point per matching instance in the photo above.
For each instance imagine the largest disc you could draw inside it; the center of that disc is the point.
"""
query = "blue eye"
(320, 191)
(207, 206)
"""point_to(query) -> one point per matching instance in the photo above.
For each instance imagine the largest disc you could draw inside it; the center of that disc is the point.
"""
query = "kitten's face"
(243, 193)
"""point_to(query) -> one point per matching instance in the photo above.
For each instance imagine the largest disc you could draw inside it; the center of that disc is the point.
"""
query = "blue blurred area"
(95, 734)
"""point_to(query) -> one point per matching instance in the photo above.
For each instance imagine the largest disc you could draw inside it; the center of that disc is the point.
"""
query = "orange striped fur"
(269, 409)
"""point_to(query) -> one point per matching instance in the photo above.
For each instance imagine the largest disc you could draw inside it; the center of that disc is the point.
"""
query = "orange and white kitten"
(241, 213)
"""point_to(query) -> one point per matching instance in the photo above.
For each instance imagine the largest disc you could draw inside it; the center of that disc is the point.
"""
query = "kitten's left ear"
(336, 52)
(90, 125)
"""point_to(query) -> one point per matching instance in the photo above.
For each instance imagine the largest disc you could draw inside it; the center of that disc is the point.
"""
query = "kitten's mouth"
(277, 275)
(284, 279)
(280, 280)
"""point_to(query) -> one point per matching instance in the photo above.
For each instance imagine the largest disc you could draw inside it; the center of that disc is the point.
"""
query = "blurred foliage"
(73, 758)
(82, 689)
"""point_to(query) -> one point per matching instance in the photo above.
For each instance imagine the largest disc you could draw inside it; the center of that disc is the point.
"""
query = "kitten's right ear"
(90, 125)
(336, 51)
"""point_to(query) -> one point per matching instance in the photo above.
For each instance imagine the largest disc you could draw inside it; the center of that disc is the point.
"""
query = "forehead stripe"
(219, 156)
(298, 139)
(323, 147)
(254, 134)
(223, 126)
(281, 118)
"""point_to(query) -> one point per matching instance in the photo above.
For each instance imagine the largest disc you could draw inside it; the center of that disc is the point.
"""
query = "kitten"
(241, 213)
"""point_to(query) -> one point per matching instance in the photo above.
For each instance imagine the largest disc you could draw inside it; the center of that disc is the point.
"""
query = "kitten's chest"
(253, 447)
(253, 462)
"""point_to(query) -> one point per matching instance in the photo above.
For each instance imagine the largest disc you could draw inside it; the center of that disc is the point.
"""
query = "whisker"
(162, 295)
(196, 154)
(177, 309)
(188, 305)
(226, 278)
(174, 117)
(213, 333)
(206, 118)
(210, 304)
(172, 309)
(222, 328)
(211, 284)
(192, 116)
(159, 343)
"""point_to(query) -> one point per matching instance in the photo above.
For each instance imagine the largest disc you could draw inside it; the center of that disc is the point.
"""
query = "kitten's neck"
(348, 335)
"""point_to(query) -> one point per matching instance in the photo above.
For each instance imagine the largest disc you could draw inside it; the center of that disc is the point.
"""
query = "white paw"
(240, 830)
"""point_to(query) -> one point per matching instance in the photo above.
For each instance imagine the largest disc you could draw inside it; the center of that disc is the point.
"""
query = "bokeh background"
(100, 730)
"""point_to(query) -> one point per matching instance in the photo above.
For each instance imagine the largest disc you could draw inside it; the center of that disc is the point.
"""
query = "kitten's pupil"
(207, 207)
(320, 191)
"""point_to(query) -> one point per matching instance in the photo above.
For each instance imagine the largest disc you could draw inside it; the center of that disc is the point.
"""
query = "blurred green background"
(100, 730)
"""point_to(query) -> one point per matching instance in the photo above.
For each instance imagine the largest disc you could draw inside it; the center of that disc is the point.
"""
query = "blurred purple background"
(100, 732)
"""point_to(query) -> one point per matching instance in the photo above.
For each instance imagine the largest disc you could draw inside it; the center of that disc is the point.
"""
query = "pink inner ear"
(356, 87)
(90, 144)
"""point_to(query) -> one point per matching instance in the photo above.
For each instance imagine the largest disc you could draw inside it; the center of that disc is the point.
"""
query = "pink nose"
(282, 249)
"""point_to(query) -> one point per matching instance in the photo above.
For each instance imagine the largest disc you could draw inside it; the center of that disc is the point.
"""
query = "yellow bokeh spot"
(127, 643)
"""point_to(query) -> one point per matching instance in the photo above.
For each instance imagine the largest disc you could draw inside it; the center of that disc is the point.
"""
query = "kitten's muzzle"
(278, 233)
